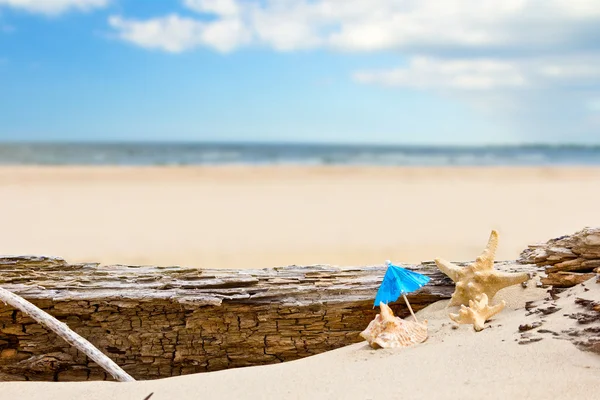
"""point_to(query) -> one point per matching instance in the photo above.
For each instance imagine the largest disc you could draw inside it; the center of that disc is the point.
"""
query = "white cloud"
(427, 73)
(375, 25)
(522, 61)
(171, 33)
(594, 105)
(218, 7)
(54, 7)
(488, 74)
(571, 69)
(176, 34)
(543, 98)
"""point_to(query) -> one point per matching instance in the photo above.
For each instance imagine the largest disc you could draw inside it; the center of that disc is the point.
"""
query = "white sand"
(452, 364)
(259, 217)
(239, 217)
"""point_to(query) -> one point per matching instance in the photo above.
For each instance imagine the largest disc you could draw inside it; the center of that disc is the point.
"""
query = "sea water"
(295, 154)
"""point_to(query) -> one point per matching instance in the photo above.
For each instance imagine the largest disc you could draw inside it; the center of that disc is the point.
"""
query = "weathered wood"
(62, 330)
(569, 260)
(45, 278)
(163, 321)
(563, 279)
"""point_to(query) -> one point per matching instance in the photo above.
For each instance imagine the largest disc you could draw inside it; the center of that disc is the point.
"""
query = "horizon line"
(299, 143)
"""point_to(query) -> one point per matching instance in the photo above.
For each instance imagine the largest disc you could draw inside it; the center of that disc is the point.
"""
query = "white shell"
(387, 331)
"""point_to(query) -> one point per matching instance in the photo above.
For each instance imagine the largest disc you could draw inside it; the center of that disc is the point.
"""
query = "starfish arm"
(497, 308)
(464, 316)
(483, 301)
(505, 279)
(455, 317)
(477, 313)
(453, 271)
(486, 259)
(456, 301)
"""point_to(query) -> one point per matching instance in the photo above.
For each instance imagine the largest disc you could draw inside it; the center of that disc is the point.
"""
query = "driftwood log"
(62, 330)
(568, 260)
(162, 321)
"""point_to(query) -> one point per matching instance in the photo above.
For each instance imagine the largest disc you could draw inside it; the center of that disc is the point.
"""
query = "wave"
(303, 154)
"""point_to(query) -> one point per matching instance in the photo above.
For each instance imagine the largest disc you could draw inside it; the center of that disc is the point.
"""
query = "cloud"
(542, 98)
(171, 33)
(217, 7)
(54, 7)
(428, 73)
(477, 74)
(527, 62)
(594, 105)
(570, 68)
(409, 25)
(176, 34)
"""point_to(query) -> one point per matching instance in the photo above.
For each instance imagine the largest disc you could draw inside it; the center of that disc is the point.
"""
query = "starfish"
(480, 277)
(477, 313)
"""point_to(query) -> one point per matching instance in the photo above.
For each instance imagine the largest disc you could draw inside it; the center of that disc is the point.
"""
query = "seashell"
(387, 331)
(477, 313)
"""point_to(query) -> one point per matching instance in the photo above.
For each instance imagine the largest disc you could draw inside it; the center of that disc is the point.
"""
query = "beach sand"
(257, 217)
(451, 364)
(264, 216)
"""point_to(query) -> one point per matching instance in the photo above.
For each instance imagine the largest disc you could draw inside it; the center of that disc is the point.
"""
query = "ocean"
(294, 154)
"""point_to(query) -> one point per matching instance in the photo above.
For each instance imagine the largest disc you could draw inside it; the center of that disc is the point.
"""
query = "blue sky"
(378, 71)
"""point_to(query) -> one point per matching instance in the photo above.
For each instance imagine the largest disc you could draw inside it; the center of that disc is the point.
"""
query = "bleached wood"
(53, 278)
(62, 330)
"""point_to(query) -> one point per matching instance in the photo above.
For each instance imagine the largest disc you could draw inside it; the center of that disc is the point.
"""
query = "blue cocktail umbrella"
(398, 281)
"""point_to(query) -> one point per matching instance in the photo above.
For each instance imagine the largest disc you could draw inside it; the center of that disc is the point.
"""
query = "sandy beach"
(215, 199)
(257, 217)
(452, 364)
(238, 217)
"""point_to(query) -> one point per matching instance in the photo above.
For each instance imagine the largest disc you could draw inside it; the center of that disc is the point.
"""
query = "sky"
(343, 71)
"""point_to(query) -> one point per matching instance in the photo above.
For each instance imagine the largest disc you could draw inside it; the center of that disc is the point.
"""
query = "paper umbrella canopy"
(397, 282)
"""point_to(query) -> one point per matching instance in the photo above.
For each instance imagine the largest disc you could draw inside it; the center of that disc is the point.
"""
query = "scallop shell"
(387, 331)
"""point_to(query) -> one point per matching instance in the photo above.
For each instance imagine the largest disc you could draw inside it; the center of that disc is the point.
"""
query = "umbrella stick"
(410, 308)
